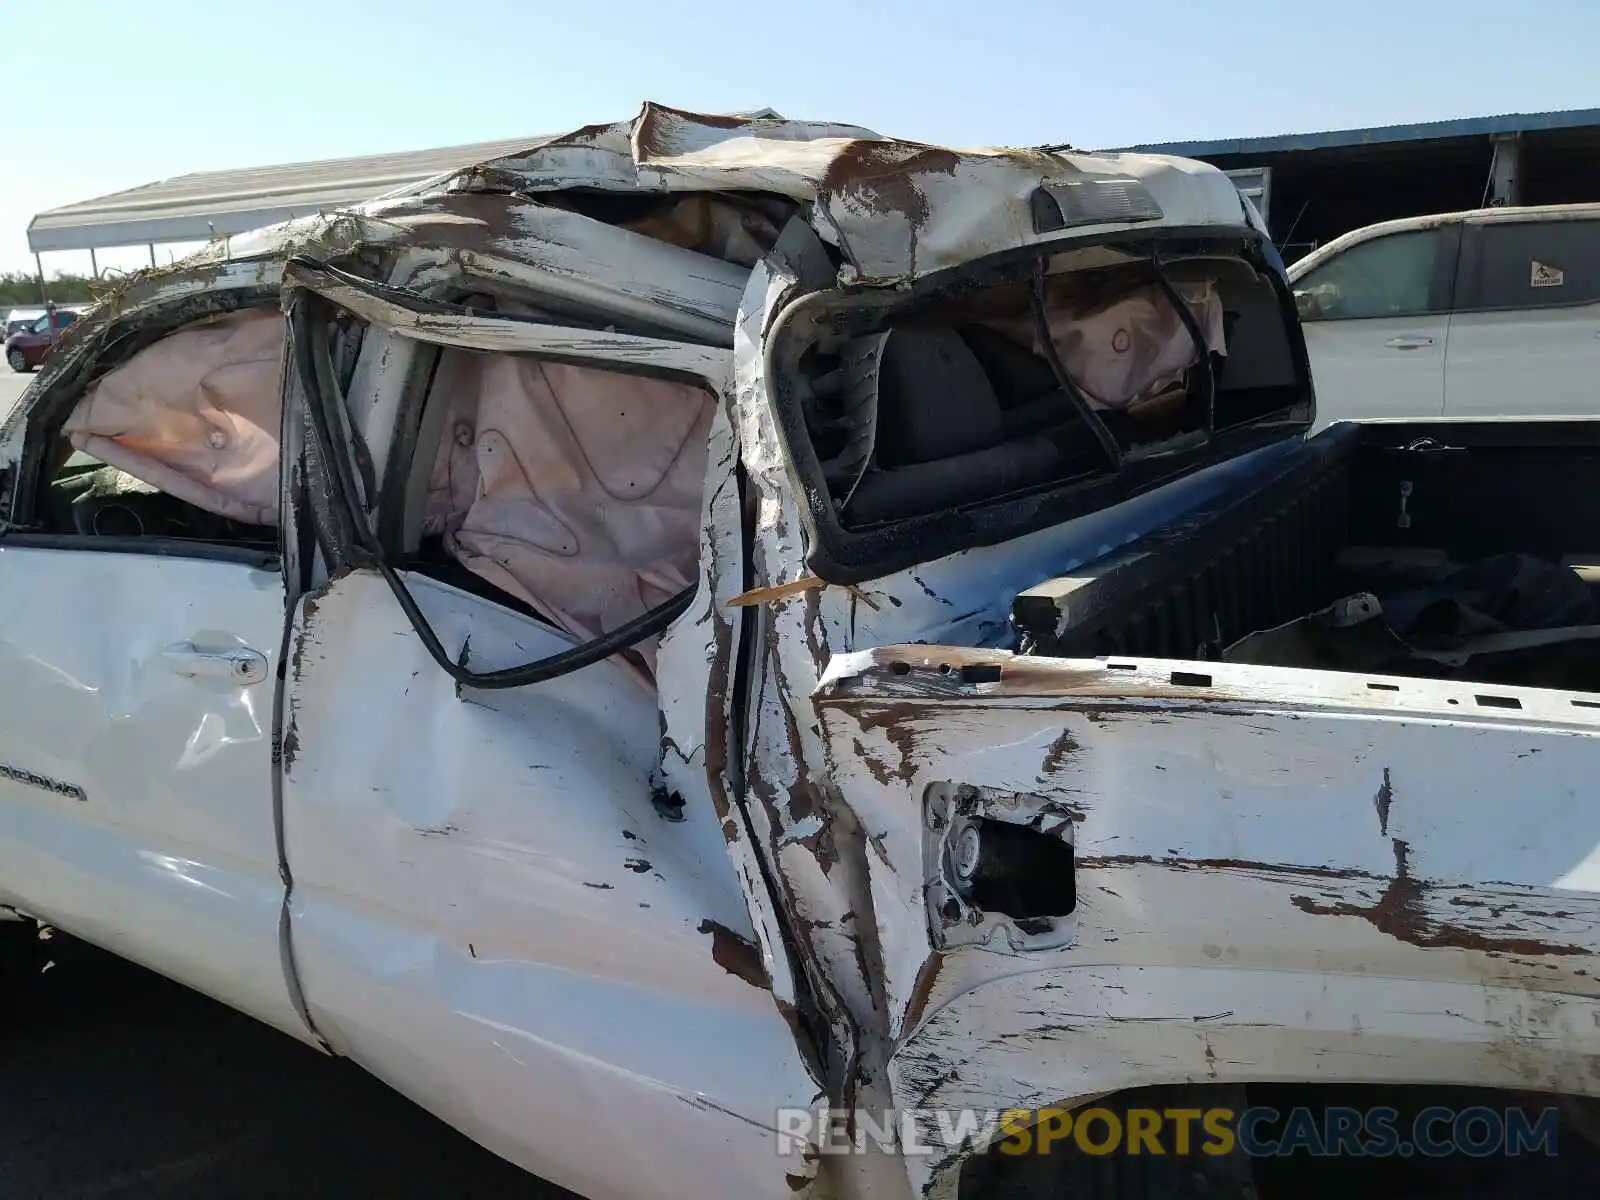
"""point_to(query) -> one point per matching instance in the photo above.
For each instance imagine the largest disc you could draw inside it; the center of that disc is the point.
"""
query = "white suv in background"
(1488, 313)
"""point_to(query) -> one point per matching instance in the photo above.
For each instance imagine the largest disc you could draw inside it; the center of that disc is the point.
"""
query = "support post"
(1505, 184)
(44, 294)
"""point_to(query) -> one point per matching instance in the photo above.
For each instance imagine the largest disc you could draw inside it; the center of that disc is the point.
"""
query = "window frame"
(1469, 289)
(27, 484)
(1441, 287)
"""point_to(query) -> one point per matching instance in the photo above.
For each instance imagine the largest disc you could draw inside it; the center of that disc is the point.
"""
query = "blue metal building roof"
(1425, 131)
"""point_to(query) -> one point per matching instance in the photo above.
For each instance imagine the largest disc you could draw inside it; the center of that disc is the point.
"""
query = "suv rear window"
(1531, 264)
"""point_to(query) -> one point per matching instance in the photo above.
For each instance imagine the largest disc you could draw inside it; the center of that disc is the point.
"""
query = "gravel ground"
(116, 1084)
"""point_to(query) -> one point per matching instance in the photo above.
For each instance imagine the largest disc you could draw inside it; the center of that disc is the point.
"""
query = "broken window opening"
(176, 444)
(737, 228)
(1102, 365)
(486, 538)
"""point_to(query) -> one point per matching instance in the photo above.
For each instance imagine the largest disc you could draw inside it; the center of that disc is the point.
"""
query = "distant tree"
(18, 289)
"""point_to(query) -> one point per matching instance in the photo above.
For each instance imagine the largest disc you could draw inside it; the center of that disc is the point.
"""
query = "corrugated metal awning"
(1504, 123)
(194, 208)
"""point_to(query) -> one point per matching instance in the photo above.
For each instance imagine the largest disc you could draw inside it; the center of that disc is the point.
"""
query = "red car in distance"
(29, 348)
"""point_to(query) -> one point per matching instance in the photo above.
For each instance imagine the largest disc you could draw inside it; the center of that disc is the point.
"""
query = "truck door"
(139, 658)
(497, 905)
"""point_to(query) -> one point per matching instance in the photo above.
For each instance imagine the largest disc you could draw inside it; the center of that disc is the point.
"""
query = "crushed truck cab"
(708, 618)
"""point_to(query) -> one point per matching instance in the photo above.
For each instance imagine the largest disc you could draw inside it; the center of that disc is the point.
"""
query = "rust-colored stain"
(921, 991)
(822, 845)
(894, 720)
(716, 712)
(297, 659)
(882, 175)
(291, 745)
(815, 641)
(1063, 748)
(1399, 912)
(879, 769)
(736, 955)
(1382, 801)
(802, 801)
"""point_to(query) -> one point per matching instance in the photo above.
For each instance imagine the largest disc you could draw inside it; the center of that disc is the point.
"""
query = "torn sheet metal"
(503, 335)
(1299, 826)
(898, 209)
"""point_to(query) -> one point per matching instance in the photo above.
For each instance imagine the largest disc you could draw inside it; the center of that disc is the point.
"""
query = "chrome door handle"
(1408, 343)
(239, 664)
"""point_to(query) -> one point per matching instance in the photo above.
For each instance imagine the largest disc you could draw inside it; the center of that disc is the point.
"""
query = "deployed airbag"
(574, 489)
(1131, 346)
(196, 415)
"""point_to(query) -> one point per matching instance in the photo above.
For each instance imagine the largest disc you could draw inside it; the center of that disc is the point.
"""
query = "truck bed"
(1358, 508)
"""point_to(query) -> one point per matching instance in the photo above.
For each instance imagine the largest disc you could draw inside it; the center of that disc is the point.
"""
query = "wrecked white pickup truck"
(711, 616)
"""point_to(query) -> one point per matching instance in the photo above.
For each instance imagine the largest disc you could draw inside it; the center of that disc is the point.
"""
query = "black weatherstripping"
(1069, 386)
(314, 366)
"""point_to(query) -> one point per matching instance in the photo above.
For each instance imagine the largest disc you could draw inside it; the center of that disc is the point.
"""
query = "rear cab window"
(948, 418)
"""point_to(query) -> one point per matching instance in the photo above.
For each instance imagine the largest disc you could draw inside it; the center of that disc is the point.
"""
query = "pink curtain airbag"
(585, 488)
(1131, 347)
(197, 415)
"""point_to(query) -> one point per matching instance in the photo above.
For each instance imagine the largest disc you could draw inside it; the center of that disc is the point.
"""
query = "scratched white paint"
(1261, 848)
(1284, 874)
(484, 895)
(1107, 1024)
(169, 859)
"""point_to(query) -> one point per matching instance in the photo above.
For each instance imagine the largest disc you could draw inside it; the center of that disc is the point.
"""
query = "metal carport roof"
(1505, 123)
(195, 208)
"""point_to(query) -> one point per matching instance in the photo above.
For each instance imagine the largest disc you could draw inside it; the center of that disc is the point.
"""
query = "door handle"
(1408, 343)
(238, 664)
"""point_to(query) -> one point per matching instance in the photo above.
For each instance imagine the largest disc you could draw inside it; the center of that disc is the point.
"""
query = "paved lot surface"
(117, 1085)
(12, 385)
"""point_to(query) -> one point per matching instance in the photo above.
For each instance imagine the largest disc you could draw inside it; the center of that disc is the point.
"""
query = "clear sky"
(107, 94)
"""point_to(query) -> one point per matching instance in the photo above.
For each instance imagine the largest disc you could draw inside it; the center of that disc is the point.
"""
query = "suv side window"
(1397, 275)
(1531, 264)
